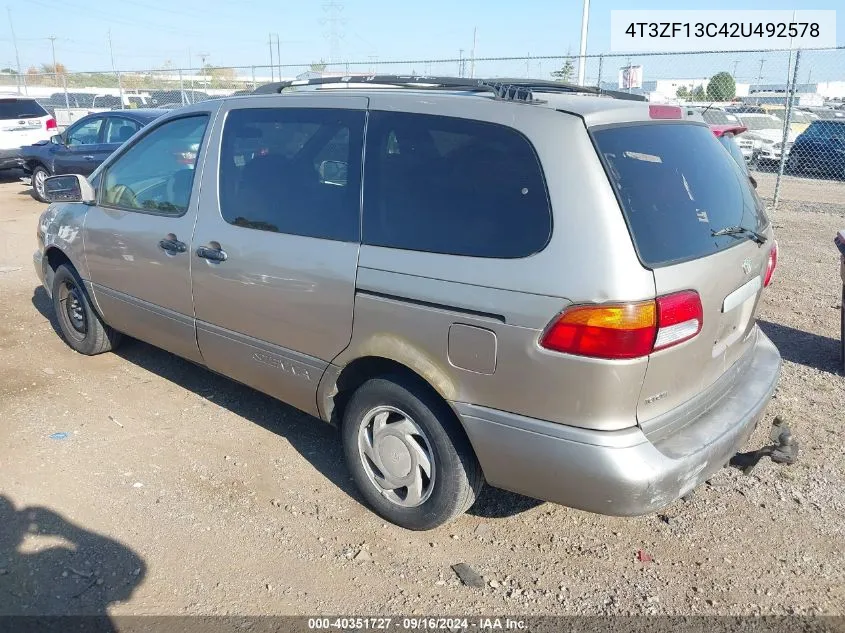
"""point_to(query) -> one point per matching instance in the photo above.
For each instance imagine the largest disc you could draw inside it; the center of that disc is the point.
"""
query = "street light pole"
(582, 61)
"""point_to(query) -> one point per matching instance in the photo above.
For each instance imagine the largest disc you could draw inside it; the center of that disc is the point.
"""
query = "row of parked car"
(815, 140)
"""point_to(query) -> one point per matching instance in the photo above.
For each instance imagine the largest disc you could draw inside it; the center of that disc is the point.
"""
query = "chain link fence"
(792, 103)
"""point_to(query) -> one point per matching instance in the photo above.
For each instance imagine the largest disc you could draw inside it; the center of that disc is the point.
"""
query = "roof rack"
(510, 89)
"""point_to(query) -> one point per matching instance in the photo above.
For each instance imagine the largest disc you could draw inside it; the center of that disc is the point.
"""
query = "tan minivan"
(550, 291)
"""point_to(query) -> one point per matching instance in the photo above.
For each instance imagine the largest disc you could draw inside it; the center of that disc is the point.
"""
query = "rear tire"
(40, 173)
(82, 328)
(396, 433)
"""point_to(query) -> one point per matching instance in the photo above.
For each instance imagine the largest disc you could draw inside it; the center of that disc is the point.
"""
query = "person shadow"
(51, 568)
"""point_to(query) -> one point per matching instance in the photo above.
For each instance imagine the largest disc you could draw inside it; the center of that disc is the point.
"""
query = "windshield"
(762, 122)
(677, 185)
(797, 116)
(718, 117)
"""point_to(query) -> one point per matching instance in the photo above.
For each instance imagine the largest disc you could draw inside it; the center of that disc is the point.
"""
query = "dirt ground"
(138, 483)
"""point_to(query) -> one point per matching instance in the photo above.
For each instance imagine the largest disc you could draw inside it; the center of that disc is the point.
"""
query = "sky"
(149, 34)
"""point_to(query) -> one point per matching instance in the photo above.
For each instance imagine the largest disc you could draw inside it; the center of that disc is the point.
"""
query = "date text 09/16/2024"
(417, 624)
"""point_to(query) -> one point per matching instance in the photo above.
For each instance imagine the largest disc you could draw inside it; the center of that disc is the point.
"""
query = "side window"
(156, 174)
(86, 134)
(453, 186)
(293, 170)
(119, 130)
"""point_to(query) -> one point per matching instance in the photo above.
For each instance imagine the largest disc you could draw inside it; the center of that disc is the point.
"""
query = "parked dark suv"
(820, 149)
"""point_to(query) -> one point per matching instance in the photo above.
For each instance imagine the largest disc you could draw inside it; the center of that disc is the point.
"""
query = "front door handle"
(89, 157)
(213, 252)
(172, 245)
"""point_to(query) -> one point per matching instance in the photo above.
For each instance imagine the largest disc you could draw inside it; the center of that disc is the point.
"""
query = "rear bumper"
(10, 158)
(620, 472)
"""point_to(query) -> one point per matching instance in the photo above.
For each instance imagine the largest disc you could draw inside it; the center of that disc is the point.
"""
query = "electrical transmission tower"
(335, 22)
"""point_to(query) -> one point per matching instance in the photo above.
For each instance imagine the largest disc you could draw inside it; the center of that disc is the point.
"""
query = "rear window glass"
(677, 186)
(454, 186)
(20, 109)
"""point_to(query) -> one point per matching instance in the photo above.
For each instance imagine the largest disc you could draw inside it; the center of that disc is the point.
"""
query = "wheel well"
(55, 258)
(361, 370)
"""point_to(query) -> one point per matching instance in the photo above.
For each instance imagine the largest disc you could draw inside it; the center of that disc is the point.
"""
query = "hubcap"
(74, 310)
(396, 456)
(40, 177)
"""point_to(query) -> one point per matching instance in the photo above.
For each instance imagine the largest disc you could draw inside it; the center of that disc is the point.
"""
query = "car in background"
(175, 98)
(23, 121)
(824, 112)
(727, 137)
(727, 124)
(82, 147)
(766, 130)
(798, 120)
(820, 149)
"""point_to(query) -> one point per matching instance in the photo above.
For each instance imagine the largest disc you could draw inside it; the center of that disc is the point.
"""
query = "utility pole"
(461, 63)
(472, 63)
(17, 56)
(278, 57)
(119, 81)
(528, 66)
(736, 63)
(582, 57)
(760, 77)
(52, 39)
(191, 71)
(272, 68)
(203, 57)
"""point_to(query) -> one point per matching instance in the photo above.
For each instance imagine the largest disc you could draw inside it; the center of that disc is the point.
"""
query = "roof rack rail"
(510, 89)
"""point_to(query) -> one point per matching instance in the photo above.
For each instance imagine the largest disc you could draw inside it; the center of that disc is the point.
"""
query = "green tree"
(565, 73)
(683, 93)
(721, 87)
(698, 94)
(318, 67)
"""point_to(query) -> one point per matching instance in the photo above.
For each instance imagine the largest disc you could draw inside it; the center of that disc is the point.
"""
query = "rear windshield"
(20, 109)
(677, 185)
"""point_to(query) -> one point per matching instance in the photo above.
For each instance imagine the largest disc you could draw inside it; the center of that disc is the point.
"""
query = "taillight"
(51, 124)
(679, 318)
(771, 264)
(628, 330)
(605, 331)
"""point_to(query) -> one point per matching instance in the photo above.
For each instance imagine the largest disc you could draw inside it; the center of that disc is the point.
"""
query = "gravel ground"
(176, 491)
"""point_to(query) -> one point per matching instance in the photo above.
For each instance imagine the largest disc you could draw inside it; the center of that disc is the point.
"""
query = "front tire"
(81, 327)
(794, 164)
(39, 175)
(408, 454)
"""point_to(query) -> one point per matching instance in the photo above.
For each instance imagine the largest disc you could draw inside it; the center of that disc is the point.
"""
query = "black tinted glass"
(728, 142)
(454, 186)
(292, 170)
(677, 186)
(20, 109)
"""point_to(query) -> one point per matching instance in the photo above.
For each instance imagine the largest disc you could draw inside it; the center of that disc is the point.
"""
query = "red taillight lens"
(628, 330)
(606, 331)
(51, 124)
(771, 265)
(679, 318)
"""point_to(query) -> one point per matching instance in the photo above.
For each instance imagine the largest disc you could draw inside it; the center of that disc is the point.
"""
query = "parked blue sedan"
(83, 146)
(820, 149)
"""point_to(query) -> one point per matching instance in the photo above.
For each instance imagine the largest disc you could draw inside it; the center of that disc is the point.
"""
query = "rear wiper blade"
(740, 230)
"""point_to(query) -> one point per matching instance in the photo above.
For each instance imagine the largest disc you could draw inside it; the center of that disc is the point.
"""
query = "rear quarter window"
(676, 186)
(453, 186)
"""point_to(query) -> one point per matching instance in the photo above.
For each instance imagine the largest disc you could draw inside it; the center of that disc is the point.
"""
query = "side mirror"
(753, 181)
(72, 188)
(58, 139)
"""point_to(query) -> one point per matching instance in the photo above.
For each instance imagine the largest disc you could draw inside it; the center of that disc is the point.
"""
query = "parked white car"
(766, 131)
(22, 122)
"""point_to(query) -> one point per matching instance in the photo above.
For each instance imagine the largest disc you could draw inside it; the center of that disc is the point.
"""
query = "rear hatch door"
(22, 122)
(679, 188)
